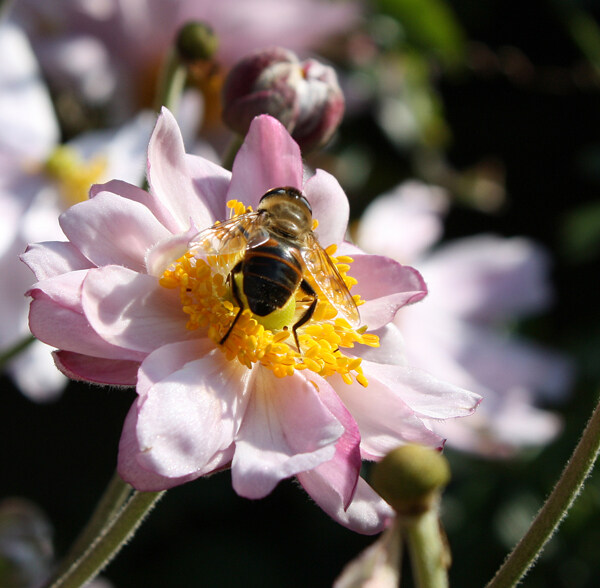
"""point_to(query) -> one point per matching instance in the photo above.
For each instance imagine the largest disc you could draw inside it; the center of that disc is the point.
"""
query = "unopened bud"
(196, 40)
(410, 478)
(304, 96)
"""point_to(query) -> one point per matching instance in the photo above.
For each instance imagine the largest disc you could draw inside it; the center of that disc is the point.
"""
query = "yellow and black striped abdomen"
(271, 274)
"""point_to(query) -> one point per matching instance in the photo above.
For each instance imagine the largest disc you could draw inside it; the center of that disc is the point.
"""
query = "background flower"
(39, 179)
(477, 286)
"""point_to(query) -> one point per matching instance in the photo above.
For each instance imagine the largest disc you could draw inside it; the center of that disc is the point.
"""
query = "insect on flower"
(277, 245)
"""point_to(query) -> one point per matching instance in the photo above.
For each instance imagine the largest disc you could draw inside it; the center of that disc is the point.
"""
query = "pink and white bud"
(303, 95)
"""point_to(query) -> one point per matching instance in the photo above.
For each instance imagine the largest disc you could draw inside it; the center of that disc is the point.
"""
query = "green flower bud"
(195, 41)
(410, 478)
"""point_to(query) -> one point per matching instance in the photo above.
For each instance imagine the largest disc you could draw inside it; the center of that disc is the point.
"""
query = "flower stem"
(428, 550)
(554, 510)
(111, 536)
(13, 351)
(116, 494)
(172, 82)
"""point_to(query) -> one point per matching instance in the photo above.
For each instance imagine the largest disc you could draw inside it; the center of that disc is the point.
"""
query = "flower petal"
(132, 310)
(168, 174)
(386, 286)
(53, 258)
(148, 199)
(97, 369)
(330, 207)
(334, 482)
(110, 229)
(269, 158)
(129, 467)
(423, 393)
(287, 429)
(384, 419)
(56, 318)
(191, 415)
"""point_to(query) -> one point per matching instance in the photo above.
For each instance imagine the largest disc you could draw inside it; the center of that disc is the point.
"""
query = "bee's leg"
(307, 289)
(236, 296)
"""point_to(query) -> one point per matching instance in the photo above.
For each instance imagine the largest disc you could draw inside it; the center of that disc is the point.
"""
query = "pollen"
(73, 175)
(206, 298)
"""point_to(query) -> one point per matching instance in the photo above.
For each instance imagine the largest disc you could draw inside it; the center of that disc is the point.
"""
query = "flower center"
(205, 289)
(73, 175)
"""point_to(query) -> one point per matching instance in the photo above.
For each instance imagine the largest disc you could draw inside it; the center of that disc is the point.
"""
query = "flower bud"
(304, 96)
(196, 40)
(410, 478)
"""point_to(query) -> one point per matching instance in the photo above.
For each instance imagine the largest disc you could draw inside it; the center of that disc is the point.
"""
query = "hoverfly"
(277, 244)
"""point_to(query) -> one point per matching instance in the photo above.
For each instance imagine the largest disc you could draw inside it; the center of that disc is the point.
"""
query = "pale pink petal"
(368, 513)
(190, 416)
(53, 258)
(109, 229)
(330, 207)
(384, 419)
(148, 199)
(334, 481)
(56, 318)
(168, 250)
(391, 348)
(423, 393)
(489, 278)
(128, 466)
(132, 310)
(285, 431)
(403, 223)
(169, 178)
(211, 181)
(169, 359)
(269, 158)
(386, 286)
(116, 372)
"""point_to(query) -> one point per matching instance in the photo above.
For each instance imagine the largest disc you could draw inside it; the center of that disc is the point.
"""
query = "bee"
(277, 245)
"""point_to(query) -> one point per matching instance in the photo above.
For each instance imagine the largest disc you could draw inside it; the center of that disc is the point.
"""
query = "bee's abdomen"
(272, 272)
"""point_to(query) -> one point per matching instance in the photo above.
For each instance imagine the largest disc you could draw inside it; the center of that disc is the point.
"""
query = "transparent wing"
(330, 281)
(231, 236)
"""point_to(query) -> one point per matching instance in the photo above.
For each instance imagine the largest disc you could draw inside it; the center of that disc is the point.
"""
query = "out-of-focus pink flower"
(459, 332)
(39, 178)
(127, 303)
(304, 96)
(100, 47)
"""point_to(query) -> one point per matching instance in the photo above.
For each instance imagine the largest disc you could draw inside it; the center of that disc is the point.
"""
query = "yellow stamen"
(206, 299)
(73, 175)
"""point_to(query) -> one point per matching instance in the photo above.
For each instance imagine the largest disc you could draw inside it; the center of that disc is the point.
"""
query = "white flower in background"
(40, 178)
(477, 286)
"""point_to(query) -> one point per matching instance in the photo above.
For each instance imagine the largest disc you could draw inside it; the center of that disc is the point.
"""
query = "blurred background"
(497, 102)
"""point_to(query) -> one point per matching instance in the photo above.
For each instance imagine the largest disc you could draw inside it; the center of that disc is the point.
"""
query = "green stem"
(427, 549)
(111, 540)
(554, 510)
(13, 351)
(172, 82)
(116, 494)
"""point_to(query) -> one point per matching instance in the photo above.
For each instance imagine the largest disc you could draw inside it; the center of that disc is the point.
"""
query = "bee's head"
(288, 209)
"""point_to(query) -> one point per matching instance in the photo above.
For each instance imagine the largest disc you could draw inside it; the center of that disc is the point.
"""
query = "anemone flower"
(477, 286)
(129, 300)
(39, 179)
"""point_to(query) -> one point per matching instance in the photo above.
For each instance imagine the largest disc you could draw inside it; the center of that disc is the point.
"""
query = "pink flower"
(127, 303)
(108, 50)
(476, 285)
(39, 179)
